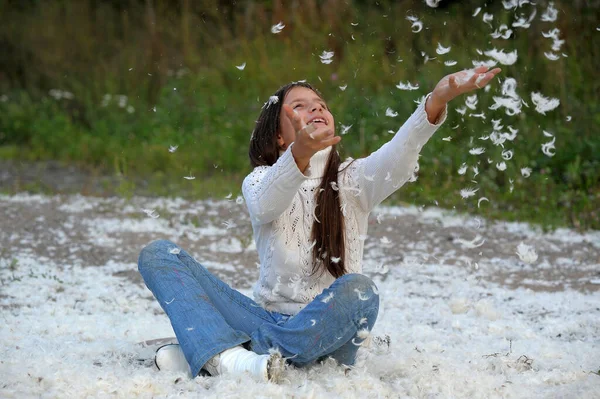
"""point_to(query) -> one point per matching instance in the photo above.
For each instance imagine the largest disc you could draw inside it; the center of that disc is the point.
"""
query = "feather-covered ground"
(471, 312)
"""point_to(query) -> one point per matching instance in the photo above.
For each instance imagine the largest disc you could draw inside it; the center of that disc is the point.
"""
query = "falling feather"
(391, 113)
(272, 100)
(326, 57)
(442, 50)
(554, 34)
(503, 32)
(468, 192)
(524, 22)
(487, 63)
(507, 155)
(502, 57)
(432, 3)
(547, 148)
(471, 101)
(417, 25)
(525, 172)
(544, 104)
(513, 106)
(407, 86)
(488, 18)
(277, 28)
(241, 67)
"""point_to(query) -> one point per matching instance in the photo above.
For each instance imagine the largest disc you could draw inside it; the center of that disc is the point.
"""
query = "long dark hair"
(328, 228)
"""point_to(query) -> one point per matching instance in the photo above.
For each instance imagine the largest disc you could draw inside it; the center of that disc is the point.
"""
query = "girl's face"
(312, 109)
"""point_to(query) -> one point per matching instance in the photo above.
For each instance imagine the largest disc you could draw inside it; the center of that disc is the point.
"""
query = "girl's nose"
(315, 107)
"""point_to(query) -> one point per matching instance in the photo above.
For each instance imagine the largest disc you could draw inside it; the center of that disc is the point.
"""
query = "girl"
(309, 212)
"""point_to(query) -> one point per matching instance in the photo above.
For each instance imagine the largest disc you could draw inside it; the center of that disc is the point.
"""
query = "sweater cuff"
(441, 117)
(420, 122)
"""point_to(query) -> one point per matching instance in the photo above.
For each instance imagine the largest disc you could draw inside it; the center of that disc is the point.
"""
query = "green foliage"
(139, 87)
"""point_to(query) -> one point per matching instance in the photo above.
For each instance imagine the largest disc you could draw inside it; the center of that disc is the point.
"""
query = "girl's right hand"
(309, 140)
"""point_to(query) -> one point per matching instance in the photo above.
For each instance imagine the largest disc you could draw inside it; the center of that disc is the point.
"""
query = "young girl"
(309, 212)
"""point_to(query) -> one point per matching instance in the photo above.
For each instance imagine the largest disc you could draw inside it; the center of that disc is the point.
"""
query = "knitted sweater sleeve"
(392, 165)
(269, 190)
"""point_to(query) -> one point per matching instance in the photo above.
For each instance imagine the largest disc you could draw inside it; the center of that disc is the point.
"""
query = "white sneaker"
(170, 358)
(237, 360)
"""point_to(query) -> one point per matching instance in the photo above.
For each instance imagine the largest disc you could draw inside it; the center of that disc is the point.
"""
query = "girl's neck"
(318, 163)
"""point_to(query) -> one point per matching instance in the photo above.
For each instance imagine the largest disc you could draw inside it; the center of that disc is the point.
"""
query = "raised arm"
(387, 169)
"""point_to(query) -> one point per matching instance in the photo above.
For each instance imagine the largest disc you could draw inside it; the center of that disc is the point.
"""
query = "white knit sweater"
(280, 200)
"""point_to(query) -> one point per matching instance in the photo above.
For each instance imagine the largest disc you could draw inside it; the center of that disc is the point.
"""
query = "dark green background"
(145, 75)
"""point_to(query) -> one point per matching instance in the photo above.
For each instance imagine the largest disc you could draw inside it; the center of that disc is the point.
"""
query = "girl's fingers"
(296, 120)
(489, 76)
(322, 134)
(474, 78)
(332, 141)
(452, 82)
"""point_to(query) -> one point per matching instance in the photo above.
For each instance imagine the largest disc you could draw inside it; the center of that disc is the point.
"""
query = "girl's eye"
(297, 106)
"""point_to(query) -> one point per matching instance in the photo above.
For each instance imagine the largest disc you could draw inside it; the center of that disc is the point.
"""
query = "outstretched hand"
(455, 84)
(458, 83)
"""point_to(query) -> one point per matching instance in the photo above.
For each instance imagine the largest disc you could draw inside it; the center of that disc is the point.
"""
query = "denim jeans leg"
(346, 354)
(207, 315)
(330, 322)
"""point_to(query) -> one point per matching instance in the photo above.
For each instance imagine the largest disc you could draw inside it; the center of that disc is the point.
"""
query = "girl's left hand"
(454, 85)
(458, 83)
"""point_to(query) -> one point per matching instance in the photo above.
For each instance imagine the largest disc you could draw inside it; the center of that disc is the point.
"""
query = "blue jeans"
(209, 317)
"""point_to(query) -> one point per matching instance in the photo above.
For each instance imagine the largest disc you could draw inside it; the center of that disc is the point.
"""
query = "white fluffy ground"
(465, 320)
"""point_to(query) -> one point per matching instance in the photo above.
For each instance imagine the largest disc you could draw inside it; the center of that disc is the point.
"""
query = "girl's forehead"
(300, 93)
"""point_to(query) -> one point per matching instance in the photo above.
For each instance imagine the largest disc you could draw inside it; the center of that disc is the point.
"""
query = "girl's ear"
(280, 141)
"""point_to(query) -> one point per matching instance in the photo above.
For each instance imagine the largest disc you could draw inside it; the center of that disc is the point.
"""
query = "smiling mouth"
(318, 120)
